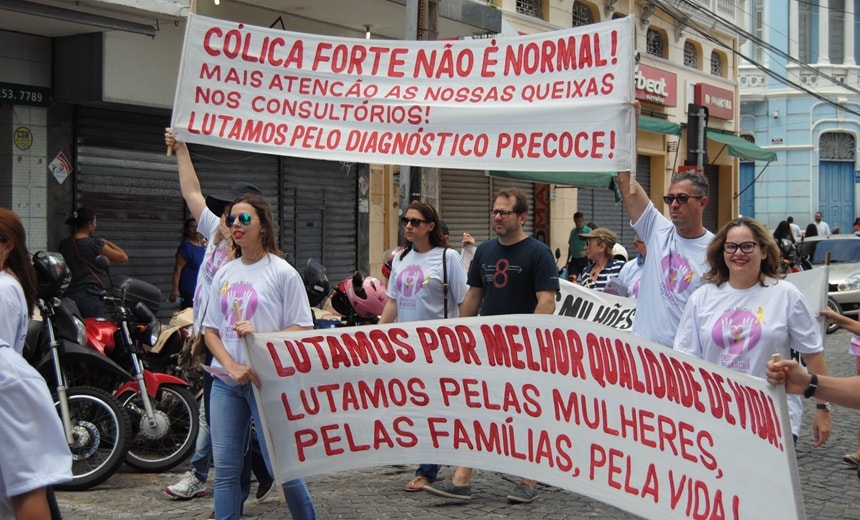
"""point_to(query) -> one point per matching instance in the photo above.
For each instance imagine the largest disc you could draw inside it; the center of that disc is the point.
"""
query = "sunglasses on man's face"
(244, 219)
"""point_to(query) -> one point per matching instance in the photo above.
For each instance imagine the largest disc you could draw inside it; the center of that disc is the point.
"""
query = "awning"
(659, 126)
(742, 148)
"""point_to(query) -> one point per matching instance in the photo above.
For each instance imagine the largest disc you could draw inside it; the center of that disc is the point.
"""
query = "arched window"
(691, 55)
(582, 15)
(655, 43)
(836, 146)
(530, 8)
(716, 64)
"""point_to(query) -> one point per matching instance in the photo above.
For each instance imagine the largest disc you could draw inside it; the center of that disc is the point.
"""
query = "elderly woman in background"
(602, 267)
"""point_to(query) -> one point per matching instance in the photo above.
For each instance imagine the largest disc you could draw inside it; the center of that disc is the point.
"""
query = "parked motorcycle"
(97, 428)
(164, 412)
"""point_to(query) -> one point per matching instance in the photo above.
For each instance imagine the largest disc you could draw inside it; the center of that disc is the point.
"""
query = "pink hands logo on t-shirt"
(737, 331)
(678, 272)
(247, 299)
(214, 262)
(409, 281)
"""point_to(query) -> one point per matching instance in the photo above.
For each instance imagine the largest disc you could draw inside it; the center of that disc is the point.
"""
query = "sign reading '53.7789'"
(13, 94)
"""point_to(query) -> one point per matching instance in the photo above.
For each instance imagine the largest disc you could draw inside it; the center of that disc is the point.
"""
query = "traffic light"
(697, 140)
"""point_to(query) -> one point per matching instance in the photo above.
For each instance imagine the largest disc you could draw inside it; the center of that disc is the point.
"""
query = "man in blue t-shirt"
(514, 274)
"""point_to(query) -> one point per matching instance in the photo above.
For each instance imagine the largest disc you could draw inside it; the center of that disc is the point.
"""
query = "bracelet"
(813, 386)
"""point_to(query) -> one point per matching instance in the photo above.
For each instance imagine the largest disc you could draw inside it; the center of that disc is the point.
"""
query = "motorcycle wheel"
(101, 431)
(834, 305)
(173, 437)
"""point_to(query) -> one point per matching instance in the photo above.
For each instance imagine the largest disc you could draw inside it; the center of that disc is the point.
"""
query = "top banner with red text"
(570, 403)
(556, 101)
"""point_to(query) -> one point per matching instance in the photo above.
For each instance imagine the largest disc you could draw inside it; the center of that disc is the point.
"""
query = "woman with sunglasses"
(211, 212)
(29, 423)
(416, 289)
(258, 292)
(744, 313)
(602, 267)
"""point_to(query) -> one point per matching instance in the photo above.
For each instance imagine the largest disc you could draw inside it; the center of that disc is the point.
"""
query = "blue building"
(800, 97)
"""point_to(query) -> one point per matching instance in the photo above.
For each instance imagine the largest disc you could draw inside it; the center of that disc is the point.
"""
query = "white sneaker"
(188, 487)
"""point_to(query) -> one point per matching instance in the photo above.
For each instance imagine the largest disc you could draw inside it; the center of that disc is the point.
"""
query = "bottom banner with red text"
(570, 403)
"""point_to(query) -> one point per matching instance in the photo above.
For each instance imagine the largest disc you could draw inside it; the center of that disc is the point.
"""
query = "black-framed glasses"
(501, 213)
(244, 219)
(681, 198)
(745, 247)
(414, 221)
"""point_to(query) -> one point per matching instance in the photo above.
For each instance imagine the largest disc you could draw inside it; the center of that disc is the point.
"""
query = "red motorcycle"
(163, 411)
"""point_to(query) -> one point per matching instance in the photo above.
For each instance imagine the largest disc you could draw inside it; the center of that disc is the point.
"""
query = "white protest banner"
(813, 284)
(576, 301)
(569, 403)
(557, 101)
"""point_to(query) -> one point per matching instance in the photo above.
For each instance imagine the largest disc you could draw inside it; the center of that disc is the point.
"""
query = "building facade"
(800, 98)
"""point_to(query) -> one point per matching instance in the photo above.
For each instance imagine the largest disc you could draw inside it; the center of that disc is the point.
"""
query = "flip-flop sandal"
(416, 484)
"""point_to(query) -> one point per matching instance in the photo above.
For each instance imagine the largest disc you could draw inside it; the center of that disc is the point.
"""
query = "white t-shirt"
(213, 259)
(795, 231)
(35, 453)
(271, 296)
(741, 329)
(13, 308)
(674, 270)
(416, 285)
(823, 229)
(630, 275)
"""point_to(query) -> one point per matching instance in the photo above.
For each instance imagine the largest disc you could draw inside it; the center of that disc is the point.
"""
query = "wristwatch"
(813, 386)
(822, 406)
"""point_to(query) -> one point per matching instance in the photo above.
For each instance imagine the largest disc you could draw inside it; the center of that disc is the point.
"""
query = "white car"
(844, 276)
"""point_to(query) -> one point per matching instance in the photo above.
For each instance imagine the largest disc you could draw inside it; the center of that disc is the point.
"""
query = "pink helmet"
(367, 295)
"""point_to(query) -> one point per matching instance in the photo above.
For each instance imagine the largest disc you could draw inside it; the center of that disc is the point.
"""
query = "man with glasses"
(514, 274)
(677, 247)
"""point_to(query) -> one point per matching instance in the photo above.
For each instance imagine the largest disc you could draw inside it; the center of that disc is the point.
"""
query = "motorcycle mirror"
(557, 253)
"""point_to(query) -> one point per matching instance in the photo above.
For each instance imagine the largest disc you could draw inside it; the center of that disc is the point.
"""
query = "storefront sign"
(14, 94)
(719, 101)
(656, 86)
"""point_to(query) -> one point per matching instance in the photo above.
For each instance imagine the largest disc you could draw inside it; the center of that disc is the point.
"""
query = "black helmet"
(52, 274)
(316, 282)
(339, 299)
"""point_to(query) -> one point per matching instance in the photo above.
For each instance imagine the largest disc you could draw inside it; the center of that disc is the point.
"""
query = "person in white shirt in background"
(795, 229)
(632, 270)
(823, 227)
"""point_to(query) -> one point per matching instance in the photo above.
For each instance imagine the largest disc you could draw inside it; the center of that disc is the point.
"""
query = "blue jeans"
(203, 449)
(232, 408)
(428, 471)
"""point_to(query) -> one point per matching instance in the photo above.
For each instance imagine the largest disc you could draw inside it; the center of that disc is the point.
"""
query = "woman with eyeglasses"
(745, 313)
(416, 287)
(258, 292)
(80, 251)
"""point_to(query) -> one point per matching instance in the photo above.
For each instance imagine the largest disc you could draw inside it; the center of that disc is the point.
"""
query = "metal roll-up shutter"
(464, 203)
(124, 175)
(528, 188)
(320, 214)
(599, 205)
